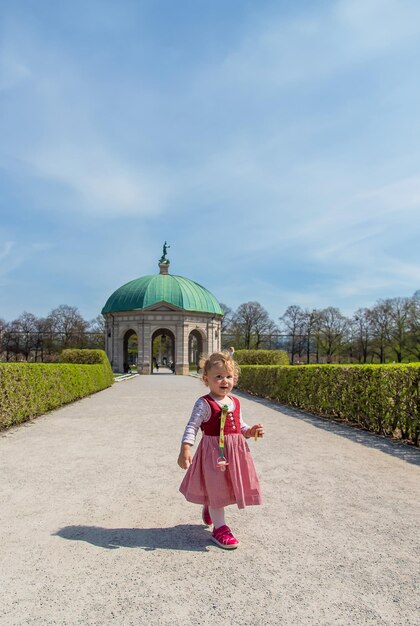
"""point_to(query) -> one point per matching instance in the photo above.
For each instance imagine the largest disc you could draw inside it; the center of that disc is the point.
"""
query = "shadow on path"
(181, 537)
(403, 451)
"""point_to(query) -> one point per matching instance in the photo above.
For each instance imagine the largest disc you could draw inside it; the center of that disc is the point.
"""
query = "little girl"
(222, 471)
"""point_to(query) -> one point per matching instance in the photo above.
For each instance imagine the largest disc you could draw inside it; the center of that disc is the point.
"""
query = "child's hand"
(184, 459)
(256, 431)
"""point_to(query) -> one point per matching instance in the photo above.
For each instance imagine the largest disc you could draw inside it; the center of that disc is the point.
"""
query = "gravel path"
(93, 530)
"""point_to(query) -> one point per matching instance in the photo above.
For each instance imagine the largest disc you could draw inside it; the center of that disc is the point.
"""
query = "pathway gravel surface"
(93, 530)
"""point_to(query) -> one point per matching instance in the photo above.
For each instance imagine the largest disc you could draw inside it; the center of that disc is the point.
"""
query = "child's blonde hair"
(225, 358)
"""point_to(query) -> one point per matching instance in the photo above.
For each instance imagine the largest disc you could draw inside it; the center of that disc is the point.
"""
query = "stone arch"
(196, 341)
(128, 358)
(167, 350)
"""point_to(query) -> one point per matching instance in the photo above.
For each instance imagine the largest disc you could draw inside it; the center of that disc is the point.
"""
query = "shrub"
(88, 357)
(261, 357)
(381, 398)
(31, 389)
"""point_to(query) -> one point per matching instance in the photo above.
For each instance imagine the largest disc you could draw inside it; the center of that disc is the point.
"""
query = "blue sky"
(274, 144)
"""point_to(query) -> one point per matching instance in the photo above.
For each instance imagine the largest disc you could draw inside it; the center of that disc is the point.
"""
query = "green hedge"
(381, 398)
(31, 389)
(88, 357)
(261, 357)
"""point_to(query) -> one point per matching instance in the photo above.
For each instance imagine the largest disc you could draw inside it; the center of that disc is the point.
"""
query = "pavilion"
(161, 318)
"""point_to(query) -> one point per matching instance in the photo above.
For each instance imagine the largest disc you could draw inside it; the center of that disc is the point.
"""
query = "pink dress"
(204, 482)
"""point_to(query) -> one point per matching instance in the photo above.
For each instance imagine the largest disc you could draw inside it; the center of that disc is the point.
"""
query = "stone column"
(118, 348)
(144, 366)
(219, 335)
(181, 354)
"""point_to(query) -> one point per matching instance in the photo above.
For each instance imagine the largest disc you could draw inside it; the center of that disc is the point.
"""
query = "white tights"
(217, 516)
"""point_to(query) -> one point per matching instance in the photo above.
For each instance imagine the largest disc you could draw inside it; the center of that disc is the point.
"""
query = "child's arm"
(200, 413)
(251, 431)
(184, 459)
(254, 431)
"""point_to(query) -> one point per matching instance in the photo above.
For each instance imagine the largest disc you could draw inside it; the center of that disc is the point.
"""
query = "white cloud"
(60, 140)
(9, 260)
(6, 249)
(381, 275)
(355, 221)
(279, 52)
(96, 182)
(14, 255)
(375, 25)
(401, 195)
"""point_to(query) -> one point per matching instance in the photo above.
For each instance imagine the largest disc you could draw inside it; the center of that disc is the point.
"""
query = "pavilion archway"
(195, 349)
(163, 349)
(130, 349)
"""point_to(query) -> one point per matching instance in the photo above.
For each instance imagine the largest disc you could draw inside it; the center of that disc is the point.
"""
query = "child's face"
(220, 380)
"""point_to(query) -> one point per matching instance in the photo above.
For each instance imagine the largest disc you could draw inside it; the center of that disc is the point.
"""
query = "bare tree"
(294, 322)
(68, 322)
(362, 333)
(25, 325)
(379, 321)
(310, 331)
(48, 345)
(96, 332)
(250, 321)
(414, 326)
(3, 327)
(97, 325)
(263, 327)
(399, 311)
(333, 328)
(35, 338)
(227, 317)
(12, 341)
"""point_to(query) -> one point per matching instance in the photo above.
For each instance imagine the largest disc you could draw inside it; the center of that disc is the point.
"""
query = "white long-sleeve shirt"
(202, 412)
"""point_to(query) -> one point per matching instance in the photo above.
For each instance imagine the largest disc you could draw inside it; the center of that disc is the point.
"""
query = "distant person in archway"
(231, 478)
(231, 351)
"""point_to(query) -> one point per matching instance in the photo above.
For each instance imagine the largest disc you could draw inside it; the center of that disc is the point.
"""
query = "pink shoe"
(224, 538)
(206, 517)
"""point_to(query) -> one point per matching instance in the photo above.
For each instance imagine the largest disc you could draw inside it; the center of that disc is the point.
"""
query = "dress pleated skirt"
(205, 483)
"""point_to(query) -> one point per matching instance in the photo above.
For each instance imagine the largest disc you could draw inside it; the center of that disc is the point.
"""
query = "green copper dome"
(143, 292)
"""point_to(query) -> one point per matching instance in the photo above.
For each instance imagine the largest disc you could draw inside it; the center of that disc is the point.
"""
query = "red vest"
(233, 421)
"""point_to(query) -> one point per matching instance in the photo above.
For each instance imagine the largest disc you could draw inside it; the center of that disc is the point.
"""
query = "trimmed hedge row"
(384, 399)
(261, 357)
(31, 389)
(88, 357)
